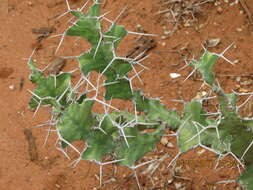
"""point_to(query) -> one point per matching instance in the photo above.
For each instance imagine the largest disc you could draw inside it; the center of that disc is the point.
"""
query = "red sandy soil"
(25, 164)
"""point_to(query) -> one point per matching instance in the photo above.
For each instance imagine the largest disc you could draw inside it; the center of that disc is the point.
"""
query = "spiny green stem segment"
(228, 133)
(124, 135)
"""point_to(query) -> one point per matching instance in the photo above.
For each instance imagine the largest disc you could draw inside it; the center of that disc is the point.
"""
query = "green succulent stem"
(129, 136)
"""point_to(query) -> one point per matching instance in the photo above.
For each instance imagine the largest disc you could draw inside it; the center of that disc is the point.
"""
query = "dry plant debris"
(183, 12)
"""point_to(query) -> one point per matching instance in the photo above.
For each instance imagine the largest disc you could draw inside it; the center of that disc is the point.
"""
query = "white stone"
(174, 75)
(12, 87)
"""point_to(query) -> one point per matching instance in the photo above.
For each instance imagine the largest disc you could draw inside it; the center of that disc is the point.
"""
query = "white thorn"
(58, 47)
(190, 75)
(67, 2)
(247, 149)
(142, 34)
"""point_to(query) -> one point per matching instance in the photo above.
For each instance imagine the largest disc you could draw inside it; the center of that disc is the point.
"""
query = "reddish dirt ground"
(25, 164)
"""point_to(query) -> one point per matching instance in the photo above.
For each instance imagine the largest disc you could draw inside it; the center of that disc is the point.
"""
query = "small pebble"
(238, 79)
(236, 61)
(187, 24)
(170, 145)
(217, 3)
(57, 186)
(238, 29)
(12, 87)
(167, 32)
(174, 75)
(170, 181)
(138, 26)
(178, 185)
(164, 141)
(233, 3)
(219, 10)
(203, 93)
(213, 42)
